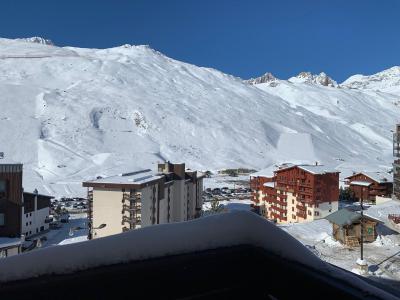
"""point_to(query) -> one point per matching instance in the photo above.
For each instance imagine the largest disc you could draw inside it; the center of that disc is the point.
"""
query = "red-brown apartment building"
(370, 185)
(296, 193)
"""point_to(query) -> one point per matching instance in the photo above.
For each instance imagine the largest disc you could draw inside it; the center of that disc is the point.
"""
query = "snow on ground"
(62, 235)
(84, 113)
(382, 256)
(230, 205)
(220, 181)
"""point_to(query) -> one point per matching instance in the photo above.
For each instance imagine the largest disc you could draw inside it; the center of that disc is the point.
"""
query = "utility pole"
(363, 185)
(362, 223)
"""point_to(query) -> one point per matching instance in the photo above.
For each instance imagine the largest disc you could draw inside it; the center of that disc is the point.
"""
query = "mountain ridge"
(73, 114)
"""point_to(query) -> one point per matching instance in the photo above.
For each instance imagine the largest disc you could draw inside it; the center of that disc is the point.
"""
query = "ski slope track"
(71, 114)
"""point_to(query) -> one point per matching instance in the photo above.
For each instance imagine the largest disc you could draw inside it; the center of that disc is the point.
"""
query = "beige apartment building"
(143, 198)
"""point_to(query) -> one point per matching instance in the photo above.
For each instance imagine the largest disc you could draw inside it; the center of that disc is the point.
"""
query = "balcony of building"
(301, 207)
(301, 214)
(282, 210)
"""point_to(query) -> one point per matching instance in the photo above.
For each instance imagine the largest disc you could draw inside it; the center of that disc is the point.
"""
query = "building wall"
(178, 208)
(11, 199)
(34, 221)
(149, 200)
(107, 208)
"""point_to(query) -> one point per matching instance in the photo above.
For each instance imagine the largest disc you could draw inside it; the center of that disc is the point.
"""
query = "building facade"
(21, 213)
(296, 193)
(143, 198)
(377, 184)
(396, 163)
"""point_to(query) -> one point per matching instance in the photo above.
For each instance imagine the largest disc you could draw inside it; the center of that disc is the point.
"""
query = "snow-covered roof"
(360, 182)
(137, 177)
(318, 169)
(347, 216)
(267, 172)
(9, 242)
(8, 161)
(380, 177)
(269, 184)
(313, 169)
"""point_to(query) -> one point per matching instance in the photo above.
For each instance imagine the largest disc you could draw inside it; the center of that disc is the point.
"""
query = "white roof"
(267, 172)
(360, 182)
(380, 177)
(9, 242)
(269, 184)
(317, 169)
(314, 169)
(137, 177)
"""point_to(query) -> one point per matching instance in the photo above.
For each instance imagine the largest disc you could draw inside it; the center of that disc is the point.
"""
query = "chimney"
(316, 163)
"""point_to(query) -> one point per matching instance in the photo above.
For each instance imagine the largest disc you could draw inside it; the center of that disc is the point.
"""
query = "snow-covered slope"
(70, 114)
(386, 81)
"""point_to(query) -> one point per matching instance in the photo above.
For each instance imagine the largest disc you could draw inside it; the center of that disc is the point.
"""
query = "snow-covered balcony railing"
(197, 253)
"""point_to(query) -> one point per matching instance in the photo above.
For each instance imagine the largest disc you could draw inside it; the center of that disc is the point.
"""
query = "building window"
(30, 214)
(41, 228)
(309, 213)
(292, 208)
(2, 222)
(292, 201)
(316, 213)
(30, 223)
(26, 224)
(26, 215)
(37, 230)
(30, 232)
(26, 234)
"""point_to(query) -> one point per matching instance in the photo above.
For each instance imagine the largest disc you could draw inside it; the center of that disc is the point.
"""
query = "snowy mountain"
(321, 79)
(267, 77)
(71, 114)
(386, 81)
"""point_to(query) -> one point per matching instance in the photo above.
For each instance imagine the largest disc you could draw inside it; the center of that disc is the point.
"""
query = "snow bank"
(227, 229)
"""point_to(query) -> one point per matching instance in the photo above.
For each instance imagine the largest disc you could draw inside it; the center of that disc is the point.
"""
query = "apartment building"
(396, 163)
(296, 193)
(21, 213)
(370, 185)
(143, 198)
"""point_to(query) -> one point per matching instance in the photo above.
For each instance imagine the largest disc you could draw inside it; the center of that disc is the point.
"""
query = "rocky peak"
(267, 77)
(37, 40)
(321, 79)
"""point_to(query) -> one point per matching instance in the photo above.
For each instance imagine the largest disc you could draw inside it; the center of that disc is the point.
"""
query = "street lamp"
(363, 185)
(73, 229)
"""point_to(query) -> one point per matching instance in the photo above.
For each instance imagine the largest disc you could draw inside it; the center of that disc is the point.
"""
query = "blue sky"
(243, 38)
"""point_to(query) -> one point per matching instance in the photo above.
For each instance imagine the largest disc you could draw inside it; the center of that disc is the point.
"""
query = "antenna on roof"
(1, 155)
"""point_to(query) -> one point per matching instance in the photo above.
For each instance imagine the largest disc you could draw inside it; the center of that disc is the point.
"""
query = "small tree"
(215, 205)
